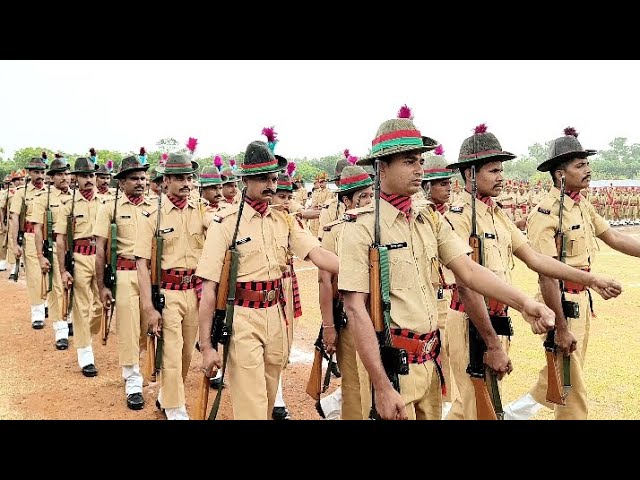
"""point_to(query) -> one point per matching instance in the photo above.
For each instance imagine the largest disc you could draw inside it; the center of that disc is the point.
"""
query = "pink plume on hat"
(352, 159)
(270, 133)
(482, 128)
(191, 144)
(109, 165)
(346, 153)
(439, 150)
(232, 162)
(163, 159)
(291, 167)
(217, 161)
(405, 112)
(571, 131)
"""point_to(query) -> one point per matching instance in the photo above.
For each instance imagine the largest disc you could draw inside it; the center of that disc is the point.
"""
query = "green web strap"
(233, 275)
(384, 290)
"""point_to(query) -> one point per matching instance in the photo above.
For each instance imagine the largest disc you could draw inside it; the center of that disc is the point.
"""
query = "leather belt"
(415, 346)
(178, 279)
(85, 242)
(256, 295)
(126, 264)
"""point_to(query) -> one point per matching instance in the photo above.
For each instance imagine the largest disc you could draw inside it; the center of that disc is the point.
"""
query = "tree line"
(619, 161)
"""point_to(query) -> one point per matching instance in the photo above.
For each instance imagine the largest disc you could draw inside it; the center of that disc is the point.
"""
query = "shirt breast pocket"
(126, 227)
(402, 271)
(170, 242)
(250, 257)
(576, 242)
(196, 233)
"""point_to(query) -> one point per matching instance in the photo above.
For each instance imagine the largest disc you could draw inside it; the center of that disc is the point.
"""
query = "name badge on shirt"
(394, 246)
(489, 235)
(575, 227)
(145, 213)
(125, 216)
(243, 240)
(166, 230)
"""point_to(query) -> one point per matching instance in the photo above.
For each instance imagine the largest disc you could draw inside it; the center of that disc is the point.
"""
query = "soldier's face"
(86, 181)
(213, 194)
(402, 175)
(440, 190)
(489, 179)
(359, 199)
(18, 182)
(102, 181)
(155, 187)
(282, 197)
(262, 188)
(179, 185)
(577, 174)
(134, 184)
(37, 176)
(61, 180)
(230, 190)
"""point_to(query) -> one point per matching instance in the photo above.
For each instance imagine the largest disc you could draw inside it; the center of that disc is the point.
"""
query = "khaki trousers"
(54, 297)
(258, 351)
(179, 332)
(32, 270)
(443, 309)
(421, 392)
(356, 387)
(85, 321)
(131, 328)
(577, 407)
(464, 403)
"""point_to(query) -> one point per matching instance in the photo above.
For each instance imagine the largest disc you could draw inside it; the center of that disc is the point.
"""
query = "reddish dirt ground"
(39, 382)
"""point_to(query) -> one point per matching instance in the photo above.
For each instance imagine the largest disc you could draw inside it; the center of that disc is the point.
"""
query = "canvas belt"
(125, 264)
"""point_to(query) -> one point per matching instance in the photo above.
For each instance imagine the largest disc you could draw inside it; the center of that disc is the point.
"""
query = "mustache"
(268, 191)
(585, 178)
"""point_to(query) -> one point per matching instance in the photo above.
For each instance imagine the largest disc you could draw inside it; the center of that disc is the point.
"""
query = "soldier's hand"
(67, 279)
(497, 359)
(154, 322)
(565, 341)
(45, 266)
(106, 297)
(211, 361)
(17, 252)
(329, 339)
(311, 214)
(539, 316)
(606, 287)
(389, 405)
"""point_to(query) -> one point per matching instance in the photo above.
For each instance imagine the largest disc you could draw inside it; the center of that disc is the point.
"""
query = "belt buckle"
(92, 242)
(269, 295)
(186, 280)
(428, 345)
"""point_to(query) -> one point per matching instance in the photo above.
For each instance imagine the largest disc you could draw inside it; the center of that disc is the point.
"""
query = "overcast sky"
(318, 107)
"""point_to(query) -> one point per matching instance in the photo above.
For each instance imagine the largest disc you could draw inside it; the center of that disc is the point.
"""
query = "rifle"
(69, 261)
(395, 360)
(488, 401)
(225, 305)
(20, 239)
(556, 394)
(157, 298)
(110, 269)
(47, 242)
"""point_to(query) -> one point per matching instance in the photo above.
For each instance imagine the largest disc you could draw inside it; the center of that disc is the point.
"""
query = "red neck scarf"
(260, 207)
(575, 196)
(88, 194)
(440, 207)
(39, 186)
(136, 200)
(101, 191)
(229, 199)
(484, 199)
(178, 202)
(402, 203)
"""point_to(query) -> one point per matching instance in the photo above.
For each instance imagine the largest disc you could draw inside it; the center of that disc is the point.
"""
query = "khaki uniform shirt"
(110, 195)
(500, 237)
(56, 199)
(535, 197)
(411, 273)
(183, 232)
(129, 217)
(31, 194)
(85, 213)
(300, 196)
(580, 224)
(262, 258)
(330, 212)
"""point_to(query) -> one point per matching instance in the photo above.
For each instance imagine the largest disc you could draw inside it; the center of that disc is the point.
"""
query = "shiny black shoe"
(280, 413)
(89, 370)
(62, 344)
(159, 407)
(215, 383)
(70, 329)
(46, 312)
(135, 401)
(319, 409)
(37, 324)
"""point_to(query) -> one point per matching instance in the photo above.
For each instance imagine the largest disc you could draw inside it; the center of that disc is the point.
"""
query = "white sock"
(61, 329)
(522, 409)
(279, 400)
(218, 373)
(37, 313)
(332, 405)
(178, 413)
(3, 264)
(446, 406)
(85, 356)
(132, 379)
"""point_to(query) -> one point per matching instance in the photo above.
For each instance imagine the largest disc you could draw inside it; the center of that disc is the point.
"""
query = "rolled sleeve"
(517, 237)
(60, 226)
(103, 221)
(353, 247)
(542, 231)
(450, 245)
(599, 223)
(15, 204)
(146, 231)
(213, 253)
(301, 241)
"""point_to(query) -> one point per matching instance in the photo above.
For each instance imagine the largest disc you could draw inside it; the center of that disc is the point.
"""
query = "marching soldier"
(211, 185)
(128, 214)
(17, 181)
(580, 225)
(53, 201)
(181, 223)
(536, 195)
(4, 230)
(480, 162)
(82, 207)
(24, 198)
(319, 197)
(258, 347)
(229, 187)
(333, 208)
(411, 238)
(300, 191)
(508, 201)
(353, 400)
(103, 179)
(521, 206)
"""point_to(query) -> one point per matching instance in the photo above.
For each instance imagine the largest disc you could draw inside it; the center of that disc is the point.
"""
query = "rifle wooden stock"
(375, 294)
(103, 325)
(555, 392)
(150, 360)
(203, 398)
(223, 286)
(154, 263)
(314, 384)
(484, 407)
(43, 286)
(65, 303)
(476, 244)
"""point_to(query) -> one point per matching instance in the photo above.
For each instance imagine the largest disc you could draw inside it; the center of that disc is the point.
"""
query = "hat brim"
(58, 170)
(369, 160)
(182, 171)
(492, 157)
(85, 171)
(438, 176)
(547, 165)
(129, 170)
(282, 164)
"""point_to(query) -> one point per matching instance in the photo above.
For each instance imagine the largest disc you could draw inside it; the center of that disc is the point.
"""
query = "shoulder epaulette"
(225, 212)
(456, 209)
